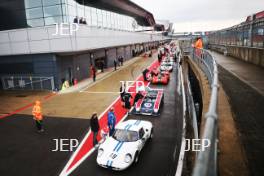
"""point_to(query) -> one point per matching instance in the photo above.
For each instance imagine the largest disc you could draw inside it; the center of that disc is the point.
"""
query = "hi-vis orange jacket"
(199, 44)
(36, 112)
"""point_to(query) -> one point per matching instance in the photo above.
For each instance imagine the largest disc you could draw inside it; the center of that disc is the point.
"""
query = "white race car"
(119, 151)
(166, 66)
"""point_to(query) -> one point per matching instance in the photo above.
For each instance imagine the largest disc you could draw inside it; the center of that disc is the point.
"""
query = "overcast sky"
(201, 15)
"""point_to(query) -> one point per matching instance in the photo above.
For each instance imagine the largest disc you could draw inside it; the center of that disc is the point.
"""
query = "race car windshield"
(125, 135)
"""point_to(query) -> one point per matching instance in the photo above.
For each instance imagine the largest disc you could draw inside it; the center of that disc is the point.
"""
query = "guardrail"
(206, 162)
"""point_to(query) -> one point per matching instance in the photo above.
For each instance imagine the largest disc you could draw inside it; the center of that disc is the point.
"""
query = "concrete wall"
(42, 40)
(252, 55)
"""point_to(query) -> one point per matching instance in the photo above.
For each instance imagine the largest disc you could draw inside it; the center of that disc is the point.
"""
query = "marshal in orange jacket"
(36, 112)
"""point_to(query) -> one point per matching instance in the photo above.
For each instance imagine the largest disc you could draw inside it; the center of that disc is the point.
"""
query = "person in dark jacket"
(121, 60)
(127, 96)
(76, 20)
(122, 91)
(102, 66)
(145, 74)
(93, 72)
(115, 63)
(138, 96)
(94, 127)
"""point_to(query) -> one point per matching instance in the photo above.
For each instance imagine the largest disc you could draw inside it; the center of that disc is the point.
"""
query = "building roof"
(126, 7)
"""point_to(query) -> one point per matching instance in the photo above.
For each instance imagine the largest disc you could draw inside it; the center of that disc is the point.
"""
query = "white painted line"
(182, 151)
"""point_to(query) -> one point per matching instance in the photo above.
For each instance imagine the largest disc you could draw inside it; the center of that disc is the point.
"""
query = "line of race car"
(122, 149)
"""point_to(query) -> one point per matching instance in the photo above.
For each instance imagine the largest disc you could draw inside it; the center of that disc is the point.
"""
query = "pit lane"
(159, 156)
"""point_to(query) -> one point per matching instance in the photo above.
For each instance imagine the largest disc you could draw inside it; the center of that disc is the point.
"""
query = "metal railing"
(206, 162)
(24, 82)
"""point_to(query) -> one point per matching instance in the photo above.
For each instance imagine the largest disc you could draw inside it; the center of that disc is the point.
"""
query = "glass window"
(33, 3)
(72, 11)
(72, 2)
(64, 1)
(53, 20)
(35, 22)
(66, 19)
(50, 2)
(80, 10)
(64, 9)
(52, 11)
(99, 17)
(87, 14)
(94, 17)
(34, 13)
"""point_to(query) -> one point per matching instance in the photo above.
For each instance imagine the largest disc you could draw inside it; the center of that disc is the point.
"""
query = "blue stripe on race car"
(107, 163)
(111, 163)
(129, 127)
(138, 122)
(117, 145)
(120, 146)
(126, 126)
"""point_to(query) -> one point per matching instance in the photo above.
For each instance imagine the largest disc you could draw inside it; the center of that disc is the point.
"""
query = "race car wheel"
(136, 157)
(151, 134)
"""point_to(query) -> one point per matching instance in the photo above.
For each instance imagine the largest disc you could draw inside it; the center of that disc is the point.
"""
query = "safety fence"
(248, 34)
(15, 82)
(206, 161)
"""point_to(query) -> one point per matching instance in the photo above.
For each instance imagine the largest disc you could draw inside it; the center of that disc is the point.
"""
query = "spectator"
(111, 121)
(94, 127)
(121, 60)
(84, 21)
(93, 72)
(102, 66)
(76, 20)
(81, 20)
(115, 63)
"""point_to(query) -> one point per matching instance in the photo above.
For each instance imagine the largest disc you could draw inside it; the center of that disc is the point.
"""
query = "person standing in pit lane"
(93, 72)
(127, 96)
(122, 91)
(111, 121)
(94, 127)
(138, 96)
(37, 116)
(115, 64)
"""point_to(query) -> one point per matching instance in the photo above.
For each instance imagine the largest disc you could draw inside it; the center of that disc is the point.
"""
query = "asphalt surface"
(25, 152)
(248, 107)
(159, 156)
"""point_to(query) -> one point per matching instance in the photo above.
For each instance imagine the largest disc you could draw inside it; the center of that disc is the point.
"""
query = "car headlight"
(100, 152)
(128, 158)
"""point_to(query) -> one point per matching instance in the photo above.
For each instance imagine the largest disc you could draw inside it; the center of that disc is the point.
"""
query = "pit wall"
(204, 86)
(248, 54)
